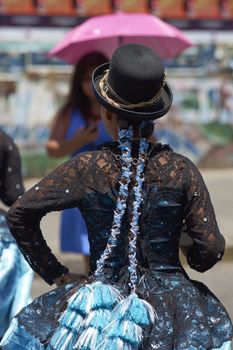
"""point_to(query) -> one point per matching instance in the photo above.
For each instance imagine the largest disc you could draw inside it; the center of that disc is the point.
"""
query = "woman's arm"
(11, 184)
(58, 146)
(208, 243)
(62, 189)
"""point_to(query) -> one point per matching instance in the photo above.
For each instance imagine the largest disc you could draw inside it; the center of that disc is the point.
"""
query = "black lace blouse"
(11, 186)
(174, 194)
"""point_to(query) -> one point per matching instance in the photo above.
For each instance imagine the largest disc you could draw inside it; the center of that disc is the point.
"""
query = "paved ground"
(219, 279)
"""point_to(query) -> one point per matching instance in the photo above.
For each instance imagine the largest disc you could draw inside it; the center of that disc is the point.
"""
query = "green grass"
(218, 132)
(36, 163)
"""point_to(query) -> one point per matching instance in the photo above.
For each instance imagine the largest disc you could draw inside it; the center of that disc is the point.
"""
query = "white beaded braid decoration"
(134, 225)
(125, 137)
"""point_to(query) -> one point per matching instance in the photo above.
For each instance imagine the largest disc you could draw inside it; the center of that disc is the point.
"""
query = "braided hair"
(125, 136)
(125, 140)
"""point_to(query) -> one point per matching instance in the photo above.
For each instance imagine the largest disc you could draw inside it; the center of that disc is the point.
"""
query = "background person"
(15, 274)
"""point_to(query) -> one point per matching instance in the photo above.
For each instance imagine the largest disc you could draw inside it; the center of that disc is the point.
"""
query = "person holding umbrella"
(138, 295)
(76, 128)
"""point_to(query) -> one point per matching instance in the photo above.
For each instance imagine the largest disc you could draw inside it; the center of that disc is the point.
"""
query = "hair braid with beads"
(125, 144)
(134, 224)
(125, 140)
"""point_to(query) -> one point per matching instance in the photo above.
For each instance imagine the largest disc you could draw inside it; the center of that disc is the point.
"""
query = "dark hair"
(76, 99)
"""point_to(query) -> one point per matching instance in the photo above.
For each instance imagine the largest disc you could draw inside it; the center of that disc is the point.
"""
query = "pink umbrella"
(105, 33)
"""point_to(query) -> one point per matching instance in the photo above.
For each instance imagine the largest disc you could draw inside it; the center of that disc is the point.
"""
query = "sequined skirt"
(188, 316)
(15, 277)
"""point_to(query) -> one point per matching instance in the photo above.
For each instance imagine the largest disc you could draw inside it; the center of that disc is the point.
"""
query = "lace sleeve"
(11, 185)
(208, 243)
(62, 189)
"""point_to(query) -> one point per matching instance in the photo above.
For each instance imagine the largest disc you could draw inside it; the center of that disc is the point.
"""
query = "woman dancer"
(134, 197)
(15, 274)
(77, 127)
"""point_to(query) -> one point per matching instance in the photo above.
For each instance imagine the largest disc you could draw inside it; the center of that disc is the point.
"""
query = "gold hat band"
(105, 87)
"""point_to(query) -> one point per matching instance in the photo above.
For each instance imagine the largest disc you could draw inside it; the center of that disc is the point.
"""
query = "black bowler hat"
(133, 84)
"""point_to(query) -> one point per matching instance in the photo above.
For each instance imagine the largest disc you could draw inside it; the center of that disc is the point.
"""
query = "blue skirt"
(74, 236)
(33, 327)
(17, 338)
(15, 277)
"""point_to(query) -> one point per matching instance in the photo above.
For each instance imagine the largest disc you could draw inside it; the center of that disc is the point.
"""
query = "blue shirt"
(77, 121)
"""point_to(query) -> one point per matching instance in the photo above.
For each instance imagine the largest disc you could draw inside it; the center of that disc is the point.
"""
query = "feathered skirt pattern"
(188, 316)
(15, 277)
